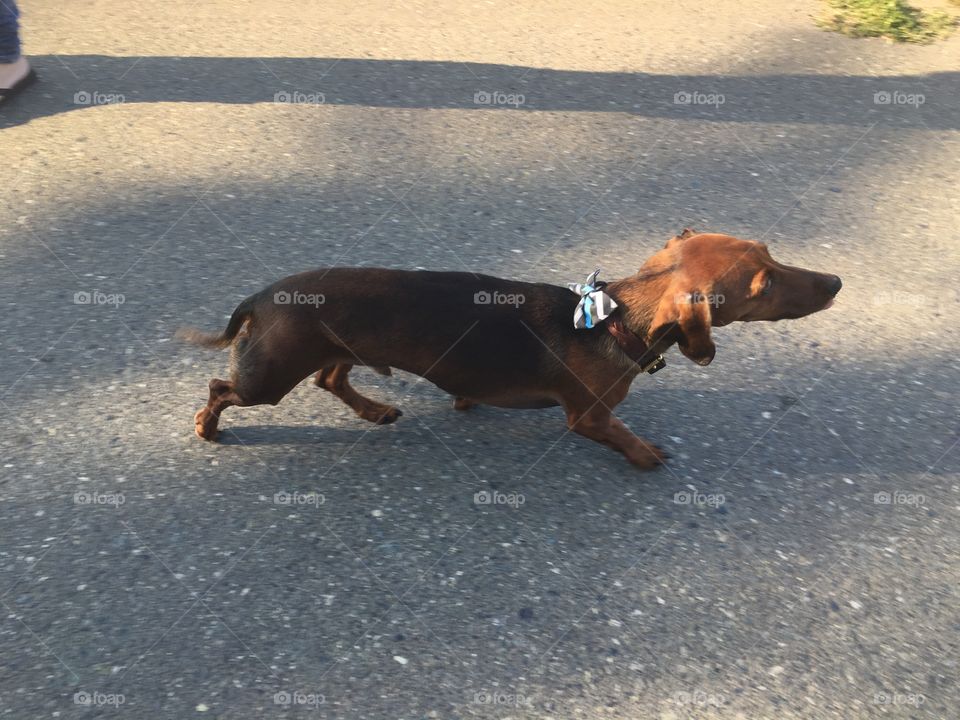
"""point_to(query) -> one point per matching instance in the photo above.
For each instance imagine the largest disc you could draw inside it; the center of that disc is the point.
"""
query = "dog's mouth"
(829, 304)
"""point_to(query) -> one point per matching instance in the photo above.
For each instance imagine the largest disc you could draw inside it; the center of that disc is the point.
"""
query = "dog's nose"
(834, 284)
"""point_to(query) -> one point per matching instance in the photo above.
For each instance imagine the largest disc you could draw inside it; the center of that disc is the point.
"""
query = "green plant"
(893, 19)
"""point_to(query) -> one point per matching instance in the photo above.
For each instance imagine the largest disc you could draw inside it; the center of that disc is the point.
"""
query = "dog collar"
(635, 347)
(596, 306)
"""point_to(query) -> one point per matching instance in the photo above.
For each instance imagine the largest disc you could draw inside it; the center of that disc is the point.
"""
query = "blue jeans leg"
(9, 36)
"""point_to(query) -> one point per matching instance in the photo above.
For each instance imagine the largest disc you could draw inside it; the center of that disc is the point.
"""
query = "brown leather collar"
(634, 346)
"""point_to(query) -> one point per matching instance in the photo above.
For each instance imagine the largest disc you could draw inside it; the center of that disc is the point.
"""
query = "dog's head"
(718, 279)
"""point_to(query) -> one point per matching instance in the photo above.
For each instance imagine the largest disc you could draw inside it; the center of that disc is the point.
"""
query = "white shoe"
(14, 77)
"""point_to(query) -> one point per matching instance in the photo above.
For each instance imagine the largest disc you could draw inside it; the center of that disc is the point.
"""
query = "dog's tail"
(211, 340)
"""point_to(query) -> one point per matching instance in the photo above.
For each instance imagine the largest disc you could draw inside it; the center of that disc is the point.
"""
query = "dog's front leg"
(599, 424)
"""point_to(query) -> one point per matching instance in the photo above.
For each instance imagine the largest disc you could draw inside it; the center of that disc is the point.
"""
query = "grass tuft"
(893, 19)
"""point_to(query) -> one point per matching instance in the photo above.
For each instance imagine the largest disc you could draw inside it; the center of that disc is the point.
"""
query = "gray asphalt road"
(175, 159)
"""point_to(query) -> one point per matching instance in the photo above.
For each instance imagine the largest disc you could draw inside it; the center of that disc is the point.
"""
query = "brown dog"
(500, 342)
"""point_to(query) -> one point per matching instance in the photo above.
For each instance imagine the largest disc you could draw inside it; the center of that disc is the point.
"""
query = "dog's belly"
(530, 402)
(519, 399)
(495, 391)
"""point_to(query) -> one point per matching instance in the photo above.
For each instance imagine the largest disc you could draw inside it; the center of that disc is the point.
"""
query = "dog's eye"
(767, 285)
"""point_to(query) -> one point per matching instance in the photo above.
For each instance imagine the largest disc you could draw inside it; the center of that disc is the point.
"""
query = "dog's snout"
(834, 284)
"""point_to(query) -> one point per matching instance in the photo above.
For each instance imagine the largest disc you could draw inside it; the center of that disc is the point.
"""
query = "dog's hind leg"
(253, 381)
(380, 370)
(334, 379)
(222, 396)
(242, 391)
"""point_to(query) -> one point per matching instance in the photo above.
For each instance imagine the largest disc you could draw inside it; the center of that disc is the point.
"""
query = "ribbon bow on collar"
(595, 305)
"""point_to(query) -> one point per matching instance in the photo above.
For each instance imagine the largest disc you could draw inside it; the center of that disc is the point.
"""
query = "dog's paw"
(205, 424)
(460, 403)
(392, 414)
(648, 457)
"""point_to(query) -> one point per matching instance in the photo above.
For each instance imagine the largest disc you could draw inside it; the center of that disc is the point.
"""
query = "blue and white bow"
(595, 305)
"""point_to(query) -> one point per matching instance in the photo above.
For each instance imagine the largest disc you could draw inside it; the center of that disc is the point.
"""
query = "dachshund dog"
(500, 342)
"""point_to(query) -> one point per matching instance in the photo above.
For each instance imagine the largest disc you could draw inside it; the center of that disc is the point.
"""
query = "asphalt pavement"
(798, 556)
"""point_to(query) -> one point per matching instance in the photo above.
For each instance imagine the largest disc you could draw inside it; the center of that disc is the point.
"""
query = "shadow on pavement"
(73, 82)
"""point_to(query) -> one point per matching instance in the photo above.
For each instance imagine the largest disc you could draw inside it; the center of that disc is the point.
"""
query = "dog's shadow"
(261, 435)
(407, 431)
(735, 424)
(481, 424)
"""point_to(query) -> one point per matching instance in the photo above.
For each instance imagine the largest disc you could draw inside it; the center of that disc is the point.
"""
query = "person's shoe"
(14, 77)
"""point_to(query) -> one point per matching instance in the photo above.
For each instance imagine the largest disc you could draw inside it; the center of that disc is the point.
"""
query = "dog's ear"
(683, 235)
(686, 316)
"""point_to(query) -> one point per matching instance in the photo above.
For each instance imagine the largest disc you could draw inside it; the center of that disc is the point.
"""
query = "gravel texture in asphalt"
(798, 556)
